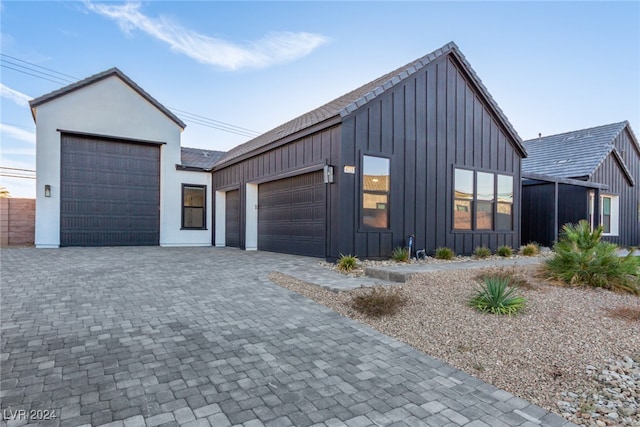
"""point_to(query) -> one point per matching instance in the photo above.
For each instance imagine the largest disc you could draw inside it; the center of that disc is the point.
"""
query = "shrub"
(482, 252)
(400, 254)
(444, 253)
(347, 262)
(505, 251)
(530, 249)
(379, 301)
(582, 258)
(497, 297)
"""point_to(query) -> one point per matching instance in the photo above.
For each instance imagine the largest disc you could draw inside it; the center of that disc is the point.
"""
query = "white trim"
(251, 229)
(615, 213)
(220, 217)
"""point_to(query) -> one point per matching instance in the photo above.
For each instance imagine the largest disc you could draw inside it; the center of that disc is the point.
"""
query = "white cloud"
(13, 95)
(19, 134)
(275, 47)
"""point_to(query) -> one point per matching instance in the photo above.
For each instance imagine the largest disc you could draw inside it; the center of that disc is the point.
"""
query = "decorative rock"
(615, 402)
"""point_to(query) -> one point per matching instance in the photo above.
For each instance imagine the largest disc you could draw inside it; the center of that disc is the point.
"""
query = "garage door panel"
(292, 215)
(110, 192)
(232, 218)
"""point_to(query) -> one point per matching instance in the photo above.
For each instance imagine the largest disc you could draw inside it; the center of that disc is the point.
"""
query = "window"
(609, 213)
(194, 206)
(375, 192)
(482, 201)
(504, 211)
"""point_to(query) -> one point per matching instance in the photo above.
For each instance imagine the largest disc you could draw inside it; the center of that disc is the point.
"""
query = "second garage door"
(292, 215)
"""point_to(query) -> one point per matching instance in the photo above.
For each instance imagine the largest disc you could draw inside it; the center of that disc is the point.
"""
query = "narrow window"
(485, 200)
(606, 214)
(375, 192)
(193, 206)
(504, 211)
(463, 199)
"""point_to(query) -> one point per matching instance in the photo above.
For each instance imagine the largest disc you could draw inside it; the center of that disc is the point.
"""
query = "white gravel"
(537, 355)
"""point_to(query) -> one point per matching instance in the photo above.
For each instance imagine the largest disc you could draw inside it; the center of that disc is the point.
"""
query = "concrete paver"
(199, 336)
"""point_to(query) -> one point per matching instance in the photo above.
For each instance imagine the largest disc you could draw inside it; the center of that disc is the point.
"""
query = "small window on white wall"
(609, 213)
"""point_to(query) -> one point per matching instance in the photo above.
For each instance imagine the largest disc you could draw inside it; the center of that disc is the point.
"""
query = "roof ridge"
(623, 123)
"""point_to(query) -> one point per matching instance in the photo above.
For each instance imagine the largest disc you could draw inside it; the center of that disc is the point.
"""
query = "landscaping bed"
(568, 344)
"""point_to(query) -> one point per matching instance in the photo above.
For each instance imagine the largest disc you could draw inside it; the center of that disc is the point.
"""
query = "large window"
(482, 201)
(375, 192)
(194, 204)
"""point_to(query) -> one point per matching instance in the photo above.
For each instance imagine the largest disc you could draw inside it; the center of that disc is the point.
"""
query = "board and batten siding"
(312, 151)
(432, 122)
(610, 173)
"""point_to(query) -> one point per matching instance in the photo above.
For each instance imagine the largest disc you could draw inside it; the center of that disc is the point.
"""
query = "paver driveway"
(200, 336)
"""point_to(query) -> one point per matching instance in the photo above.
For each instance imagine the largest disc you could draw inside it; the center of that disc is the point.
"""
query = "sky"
(247, 67)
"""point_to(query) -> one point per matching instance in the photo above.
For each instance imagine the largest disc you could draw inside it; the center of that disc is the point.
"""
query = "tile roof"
(199, 158)
(571, 154)
(96, 78)
(351, 101)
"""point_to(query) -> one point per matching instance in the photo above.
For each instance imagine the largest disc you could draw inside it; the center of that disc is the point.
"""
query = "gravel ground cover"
(547, 354)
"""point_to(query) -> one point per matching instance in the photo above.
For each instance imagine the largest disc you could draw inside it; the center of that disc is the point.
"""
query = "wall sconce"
(47, 190)
(328, 174)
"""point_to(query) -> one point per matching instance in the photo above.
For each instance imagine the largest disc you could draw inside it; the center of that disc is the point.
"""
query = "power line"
(188, 116)
(17, 169)
(17, 176)
(18, 126)
(39, 66)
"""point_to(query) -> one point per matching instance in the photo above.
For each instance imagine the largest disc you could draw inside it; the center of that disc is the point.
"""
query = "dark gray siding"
(299, 156)
(537, 213)
(432, 122)
(609, 173)
(538, 210)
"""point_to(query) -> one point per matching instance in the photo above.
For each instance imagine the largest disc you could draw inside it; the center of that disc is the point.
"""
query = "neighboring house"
(110, 169)
(423, 150)
(591, 174)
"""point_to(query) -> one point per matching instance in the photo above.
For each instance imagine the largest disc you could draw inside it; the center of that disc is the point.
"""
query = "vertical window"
(375, 192)
(193, 206)
(463, 199)
(485, 198)
(482, 201)
(504, 210)
(606, 214)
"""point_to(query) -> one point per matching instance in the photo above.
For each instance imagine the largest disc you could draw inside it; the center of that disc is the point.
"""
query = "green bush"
(582, 258)
(495, 296)
(482, 252)
(505, 251)
(400, 254)
(379, 301)
(347, 262)
(530, 249)
(444, 253)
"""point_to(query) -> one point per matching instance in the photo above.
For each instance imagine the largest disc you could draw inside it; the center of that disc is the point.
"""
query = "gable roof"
(575, 154)
(197, 158)
(34, 103)
(348, 103)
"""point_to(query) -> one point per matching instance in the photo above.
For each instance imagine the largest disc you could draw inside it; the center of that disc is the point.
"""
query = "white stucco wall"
(112, 108)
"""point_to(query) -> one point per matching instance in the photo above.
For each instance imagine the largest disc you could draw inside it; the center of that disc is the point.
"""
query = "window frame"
(203, 207)
(386, 193)
(614, 213)
(475, 201)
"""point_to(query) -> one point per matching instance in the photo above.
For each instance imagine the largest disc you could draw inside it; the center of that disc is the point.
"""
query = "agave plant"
(497, 297)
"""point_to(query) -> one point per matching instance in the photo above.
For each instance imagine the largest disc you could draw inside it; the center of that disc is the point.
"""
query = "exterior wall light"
(47, 190)
(328, 174)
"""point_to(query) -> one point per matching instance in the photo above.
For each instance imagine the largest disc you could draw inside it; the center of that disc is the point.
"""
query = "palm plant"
(495, 296)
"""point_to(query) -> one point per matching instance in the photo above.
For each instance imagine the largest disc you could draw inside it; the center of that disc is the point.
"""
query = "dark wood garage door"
(232, 218)
(292, 215)
(110, 192)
